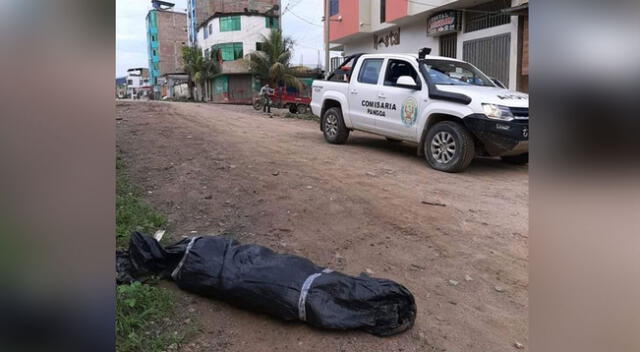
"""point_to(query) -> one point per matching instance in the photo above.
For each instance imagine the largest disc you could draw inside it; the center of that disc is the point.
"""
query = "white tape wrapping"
(174, 274)
(302, 301)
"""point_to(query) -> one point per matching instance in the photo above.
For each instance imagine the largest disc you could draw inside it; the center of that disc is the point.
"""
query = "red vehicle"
(284, 98)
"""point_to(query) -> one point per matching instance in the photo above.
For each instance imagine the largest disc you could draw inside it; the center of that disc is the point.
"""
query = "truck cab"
(448, 107)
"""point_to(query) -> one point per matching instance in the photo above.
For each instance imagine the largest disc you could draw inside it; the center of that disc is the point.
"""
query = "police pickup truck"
(448, 107)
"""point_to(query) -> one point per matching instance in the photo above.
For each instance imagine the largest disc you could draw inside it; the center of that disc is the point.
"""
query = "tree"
(273, 62)
(209, 69)
(192, 61)
(200, 69)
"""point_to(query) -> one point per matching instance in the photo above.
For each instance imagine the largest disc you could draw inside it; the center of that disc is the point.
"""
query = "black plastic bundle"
(286, 286)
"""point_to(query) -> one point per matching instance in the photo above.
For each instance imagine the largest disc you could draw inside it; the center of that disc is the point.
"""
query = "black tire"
(521, 159)
(333, 127)
(393, 140)
(302, 109)
(293, 109)
(449, 147)
(257, 104)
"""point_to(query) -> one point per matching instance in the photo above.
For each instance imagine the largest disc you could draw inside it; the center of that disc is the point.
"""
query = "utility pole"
(326, 38)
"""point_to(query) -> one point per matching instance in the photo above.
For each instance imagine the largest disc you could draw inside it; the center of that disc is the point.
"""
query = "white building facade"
(240, 33)
(138, 83)
(235, 35)
(492, 35)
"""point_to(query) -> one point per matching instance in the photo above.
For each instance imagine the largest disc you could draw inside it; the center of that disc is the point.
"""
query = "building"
(198, 11)
(166, 35)
(236, 28)
(138, 85)
(121, 87)
(490, 34)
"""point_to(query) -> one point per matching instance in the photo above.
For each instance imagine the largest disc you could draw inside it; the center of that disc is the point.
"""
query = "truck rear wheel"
(333, 127)
(516, 159)
(449, 147)
(292, 108)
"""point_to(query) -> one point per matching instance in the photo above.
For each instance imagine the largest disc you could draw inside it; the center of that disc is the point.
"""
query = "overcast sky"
(302, 21)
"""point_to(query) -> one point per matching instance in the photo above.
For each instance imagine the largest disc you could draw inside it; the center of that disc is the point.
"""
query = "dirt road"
(354, 207)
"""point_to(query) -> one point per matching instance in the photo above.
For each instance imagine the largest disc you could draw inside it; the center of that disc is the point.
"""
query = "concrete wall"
(346, 22)
(237, 6)
(396, 9)
(413, 36)
(172, 36)
(251, 32)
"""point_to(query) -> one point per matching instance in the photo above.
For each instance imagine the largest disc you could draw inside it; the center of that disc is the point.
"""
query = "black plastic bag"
(286, 286)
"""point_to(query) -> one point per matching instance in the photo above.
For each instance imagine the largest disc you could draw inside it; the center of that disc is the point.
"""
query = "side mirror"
(407, 82)
(498, 83)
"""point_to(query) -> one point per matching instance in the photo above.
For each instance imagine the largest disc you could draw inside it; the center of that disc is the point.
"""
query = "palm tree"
(273, 62)
(200, 69)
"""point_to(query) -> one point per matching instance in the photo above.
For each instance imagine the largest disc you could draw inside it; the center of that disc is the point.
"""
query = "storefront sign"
(443, 23)
(387, 39)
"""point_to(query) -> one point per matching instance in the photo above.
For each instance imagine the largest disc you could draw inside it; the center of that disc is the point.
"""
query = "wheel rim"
(331, 125)
(443, 147)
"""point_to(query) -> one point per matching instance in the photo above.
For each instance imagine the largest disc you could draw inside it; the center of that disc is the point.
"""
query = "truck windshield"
(455, 73)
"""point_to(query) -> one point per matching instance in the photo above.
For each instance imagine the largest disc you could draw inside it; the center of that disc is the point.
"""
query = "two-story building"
(137, 83)
(491, 34)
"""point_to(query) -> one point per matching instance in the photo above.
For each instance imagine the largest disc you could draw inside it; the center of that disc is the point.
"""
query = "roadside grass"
(148, 318)
(132, 213)
(145, 319)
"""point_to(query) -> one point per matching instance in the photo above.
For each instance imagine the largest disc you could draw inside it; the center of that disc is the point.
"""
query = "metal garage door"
(491, 55)
(240, 90)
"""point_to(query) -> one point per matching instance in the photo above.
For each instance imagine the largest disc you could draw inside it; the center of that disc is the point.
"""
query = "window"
(259, 46)
(370, 71)
(273, 22)
(334, 7)
(229, 23)
(207, 53)
(343, 72)
(486, 15)
(230, 51)
(383, 11)
(130, 82)
(206, 32)
(455, 73)
(210, 28)
(397, 68)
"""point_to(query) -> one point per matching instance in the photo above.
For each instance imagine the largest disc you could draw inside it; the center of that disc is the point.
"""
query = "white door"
(406, 104)
(363, 94)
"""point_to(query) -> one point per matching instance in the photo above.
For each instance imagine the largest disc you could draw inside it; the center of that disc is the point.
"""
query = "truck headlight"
(498, 112)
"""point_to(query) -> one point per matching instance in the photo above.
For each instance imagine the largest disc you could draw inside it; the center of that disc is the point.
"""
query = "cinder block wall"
(172, 36)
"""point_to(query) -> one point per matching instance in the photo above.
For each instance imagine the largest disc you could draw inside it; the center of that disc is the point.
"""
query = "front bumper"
(500, 138)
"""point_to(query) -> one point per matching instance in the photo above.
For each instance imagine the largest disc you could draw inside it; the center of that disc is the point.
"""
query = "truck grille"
(520, 113)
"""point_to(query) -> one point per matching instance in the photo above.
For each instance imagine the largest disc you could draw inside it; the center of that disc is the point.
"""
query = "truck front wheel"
(449, 147)
(333, 127)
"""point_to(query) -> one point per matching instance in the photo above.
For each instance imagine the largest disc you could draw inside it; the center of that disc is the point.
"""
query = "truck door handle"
(381, 96)
(354, 92)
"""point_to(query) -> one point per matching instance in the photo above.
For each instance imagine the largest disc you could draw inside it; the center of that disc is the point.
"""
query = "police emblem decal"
(409, 111)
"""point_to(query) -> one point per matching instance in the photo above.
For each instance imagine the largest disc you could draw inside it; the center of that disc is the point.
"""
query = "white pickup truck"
(448, 107)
